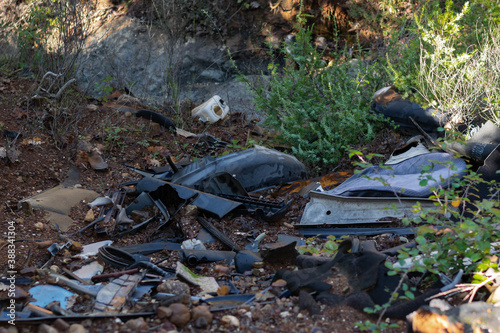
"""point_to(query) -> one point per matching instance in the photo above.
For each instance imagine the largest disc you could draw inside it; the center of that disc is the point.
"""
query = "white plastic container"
(212, 110)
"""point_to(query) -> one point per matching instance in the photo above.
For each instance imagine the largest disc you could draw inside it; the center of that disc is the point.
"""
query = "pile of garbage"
(205, 268)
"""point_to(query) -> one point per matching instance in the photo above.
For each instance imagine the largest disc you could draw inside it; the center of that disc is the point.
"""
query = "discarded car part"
(218, 234)
(163, 272)
(113, 295)
(106, 277)
(339, 232)
(329, 209)
(193, 244)
(37, 321)
(195, 257)
(119, 258)
(228, 302)
(269, 211)
(223, 183)
(148, 248)
(89, 270)
(211, 111)
(135, 228)
(244, 260)
(207, 284)
(91, 224)
(389, 103)
(254, 245)
(208, 202)
(57, 202)
(470, 317)
(97, 162)
(403, 179)
(157, 118)
(298, 187)
(282, 253)
(101, 201)
(488, 172)
(62, 281)
(412, 151)
(256, 168)
(44, 294)
(143, 200)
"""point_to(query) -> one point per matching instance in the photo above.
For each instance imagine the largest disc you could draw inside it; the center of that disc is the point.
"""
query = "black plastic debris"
(157, 118)
(389, 103)
(256, 168)
(481, 144)
(195, 257)
(168, 192)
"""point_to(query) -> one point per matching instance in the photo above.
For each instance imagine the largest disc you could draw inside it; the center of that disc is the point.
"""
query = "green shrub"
(319, 109)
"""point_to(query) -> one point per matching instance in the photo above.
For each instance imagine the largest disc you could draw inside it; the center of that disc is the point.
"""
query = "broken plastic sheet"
(256, 168)
(404, 177)
(168, 192)
(57, 202)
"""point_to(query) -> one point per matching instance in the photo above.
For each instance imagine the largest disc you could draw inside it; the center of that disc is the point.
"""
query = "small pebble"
(61, 325)
(44, 328)
(89, 217)
(231, 320)
(180, 314)
(285, 314)
(221, 269)
(137, 325)
(55, 268)
(202, 311)
(258, 264)
(77, 328)
(164, 312)
(279, 283)
(173, 287)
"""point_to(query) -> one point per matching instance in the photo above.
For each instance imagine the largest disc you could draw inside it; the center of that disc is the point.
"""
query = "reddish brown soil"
(43, 163)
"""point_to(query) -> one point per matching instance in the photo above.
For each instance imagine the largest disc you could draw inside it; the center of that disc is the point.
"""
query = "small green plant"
(113, 136)
(328, 248)
(319, 109)
(104, 88)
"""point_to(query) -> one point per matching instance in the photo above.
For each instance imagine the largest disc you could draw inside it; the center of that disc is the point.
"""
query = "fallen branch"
(41, 93)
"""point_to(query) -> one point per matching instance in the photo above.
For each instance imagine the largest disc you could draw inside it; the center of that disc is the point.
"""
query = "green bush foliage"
(319, 109)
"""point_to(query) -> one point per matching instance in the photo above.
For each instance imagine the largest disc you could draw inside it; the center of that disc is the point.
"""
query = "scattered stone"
(206, 283)
(173, 287)
(180, 314)
(164, 312)
(76, 246)
(300, 316)
(137, 325)
(55, 268)
(285, 314)
(221, 269)
(89, 217)
(279, 283)
(44, 244)
(258, 264)
(306, 301)
(230, 320)
(44, 328)
(201, 322)
(38, 226)
(202, 311)
(169, 327)
(77, 328)
(61, 325)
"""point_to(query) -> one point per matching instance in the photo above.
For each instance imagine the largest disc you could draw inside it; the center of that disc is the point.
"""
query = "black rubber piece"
(157, 118)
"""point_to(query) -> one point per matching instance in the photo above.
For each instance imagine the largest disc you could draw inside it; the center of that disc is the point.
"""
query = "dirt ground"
(50, 143)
